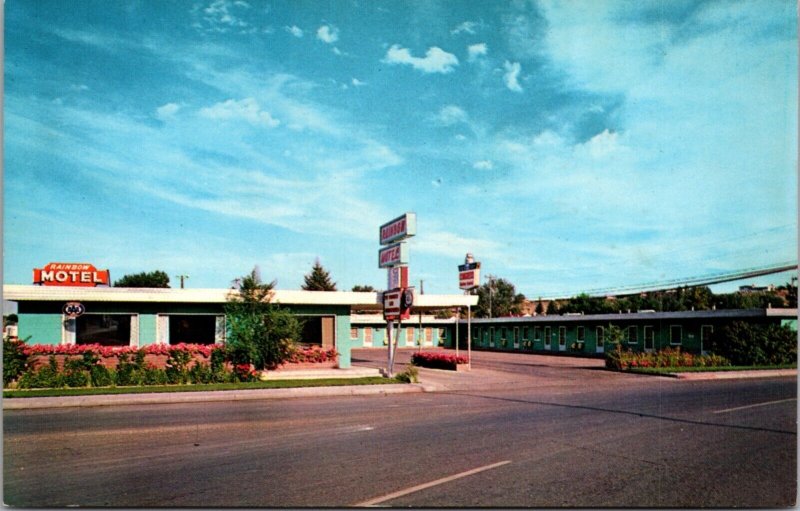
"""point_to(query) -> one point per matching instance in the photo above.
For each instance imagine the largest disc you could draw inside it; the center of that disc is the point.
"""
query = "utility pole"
(182, 277)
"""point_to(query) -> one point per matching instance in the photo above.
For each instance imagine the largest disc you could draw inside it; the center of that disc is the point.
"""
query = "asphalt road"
(582, 437)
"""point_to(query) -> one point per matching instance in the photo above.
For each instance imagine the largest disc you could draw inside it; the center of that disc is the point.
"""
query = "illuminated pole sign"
(469, 274)
(71, 274)
(393, 256)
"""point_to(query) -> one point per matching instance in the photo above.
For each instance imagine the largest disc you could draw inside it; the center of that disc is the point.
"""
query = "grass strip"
(271, 384)
(668, 370)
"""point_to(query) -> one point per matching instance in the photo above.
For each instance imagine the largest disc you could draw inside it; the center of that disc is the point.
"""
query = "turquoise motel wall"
(41, 322)
(441, 335)
(690, 334)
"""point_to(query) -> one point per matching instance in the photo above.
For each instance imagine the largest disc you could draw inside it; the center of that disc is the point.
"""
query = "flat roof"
(359, 300)
(645, 316)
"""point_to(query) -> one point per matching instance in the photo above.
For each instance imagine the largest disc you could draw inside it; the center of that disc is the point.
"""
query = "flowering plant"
(116, 351)
(312, 355)
(437, 360)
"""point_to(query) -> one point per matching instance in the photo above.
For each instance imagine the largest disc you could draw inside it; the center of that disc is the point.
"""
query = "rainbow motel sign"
(71, 274)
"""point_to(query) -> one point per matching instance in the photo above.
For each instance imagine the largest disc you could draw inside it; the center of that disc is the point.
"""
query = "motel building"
(117, 316)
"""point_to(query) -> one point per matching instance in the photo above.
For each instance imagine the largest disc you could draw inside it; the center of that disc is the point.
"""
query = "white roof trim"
(370, 300)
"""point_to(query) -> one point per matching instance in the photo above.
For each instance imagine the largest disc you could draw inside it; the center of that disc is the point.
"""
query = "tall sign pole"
(469, 277)
(398, 297)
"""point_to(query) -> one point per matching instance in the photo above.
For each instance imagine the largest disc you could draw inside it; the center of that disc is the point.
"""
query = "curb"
(30, 403)
(733, 375)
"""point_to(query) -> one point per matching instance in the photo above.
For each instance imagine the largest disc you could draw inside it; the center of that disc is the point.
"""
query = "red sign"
(468, 279)
(397, 304)
(393, 255)
(70, 274)
(399, 228)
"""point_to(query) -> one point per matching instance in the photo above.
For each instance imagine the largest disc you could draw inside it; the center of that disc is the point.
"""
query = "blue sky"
(568, 145)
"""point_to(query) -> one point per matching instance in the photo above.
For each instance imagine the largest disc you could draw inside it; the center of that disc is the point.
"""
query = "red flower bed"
(115, 351)
(312, 356)
(437, 360)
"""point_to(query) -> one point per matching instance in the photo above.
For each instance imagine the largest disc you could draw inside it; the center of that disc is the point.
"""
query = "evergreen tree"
(539, 308)
(319, 279)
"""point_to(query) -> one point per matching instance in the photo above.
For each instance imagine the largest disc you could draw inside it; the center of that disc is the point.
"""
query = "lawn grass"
(271, 384)
(668, 370)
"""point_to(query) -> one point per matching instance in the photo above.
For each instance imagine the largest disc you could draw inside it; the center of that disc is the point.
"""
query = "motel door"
(327, 332)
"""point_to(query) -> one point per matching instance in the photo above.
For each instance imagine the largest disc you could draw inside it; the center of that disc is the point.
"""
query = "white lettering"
(86, 276)
(47, 275)
(61, 276)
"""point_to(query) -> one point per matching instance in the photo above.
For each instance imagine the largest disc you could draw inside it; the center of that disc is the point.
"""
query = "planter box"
(328, 364)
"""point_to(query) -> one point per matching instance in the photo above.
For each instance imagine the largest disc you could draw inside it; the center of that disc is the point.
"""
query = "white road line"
(755, 405)
(391, 496)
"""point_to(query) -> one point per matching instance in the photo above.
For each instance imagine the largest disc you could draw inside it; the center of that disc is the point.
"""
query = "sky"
(568, 145)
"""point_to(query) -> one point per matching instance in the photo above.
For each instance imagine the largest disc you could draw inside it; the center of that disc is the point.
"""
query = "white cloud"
(168, 111)
(436, 60)
(467, 26)
(247, 109)
(358, 83)
(450, 115)
(328, 34)
(79, 88)
(220, 16)
(476, 50)
(295, 30)
(483, 165)
(512, 74)
(602, 144)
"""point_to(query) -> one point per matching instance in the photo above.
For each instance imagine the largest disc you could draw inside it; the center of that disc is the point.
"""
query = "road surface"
(544, 435)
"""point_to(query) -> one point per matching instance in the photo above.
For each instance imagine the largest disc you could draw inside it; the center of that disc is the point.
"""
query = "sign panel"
(70, 274)
(397, 304)
(469, 279)
(73, 309)
(469, 275)
(397, 277)
(393, 255)
(400, 228)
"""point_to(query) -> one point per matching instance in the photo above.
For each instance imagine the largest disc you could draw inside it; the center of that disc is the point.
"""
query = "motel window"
(600, 333)
(675, 334)
(516, 334)
(104, 329)
(633, 335)
(192, 328)
(525, 333)
(547, 336)
(368, 335)
(409, 335)
(581, 335)
(562, 336)
(429, 335)
(503, 333)
(442, 333)
(354, 333)
(537, 334)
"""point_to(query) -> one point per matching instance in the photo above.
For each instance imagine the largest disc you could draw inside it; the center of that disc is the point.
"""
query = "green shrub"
(47, 376)
(178, 366)
(410, 375)
(15, 361)
(201, 373)
(153, 376)
(753, 344)
(101, 376)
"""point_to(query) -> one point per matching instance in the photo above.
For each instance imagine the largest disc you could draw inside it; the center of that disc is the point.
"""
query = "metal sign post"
(469, 337)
